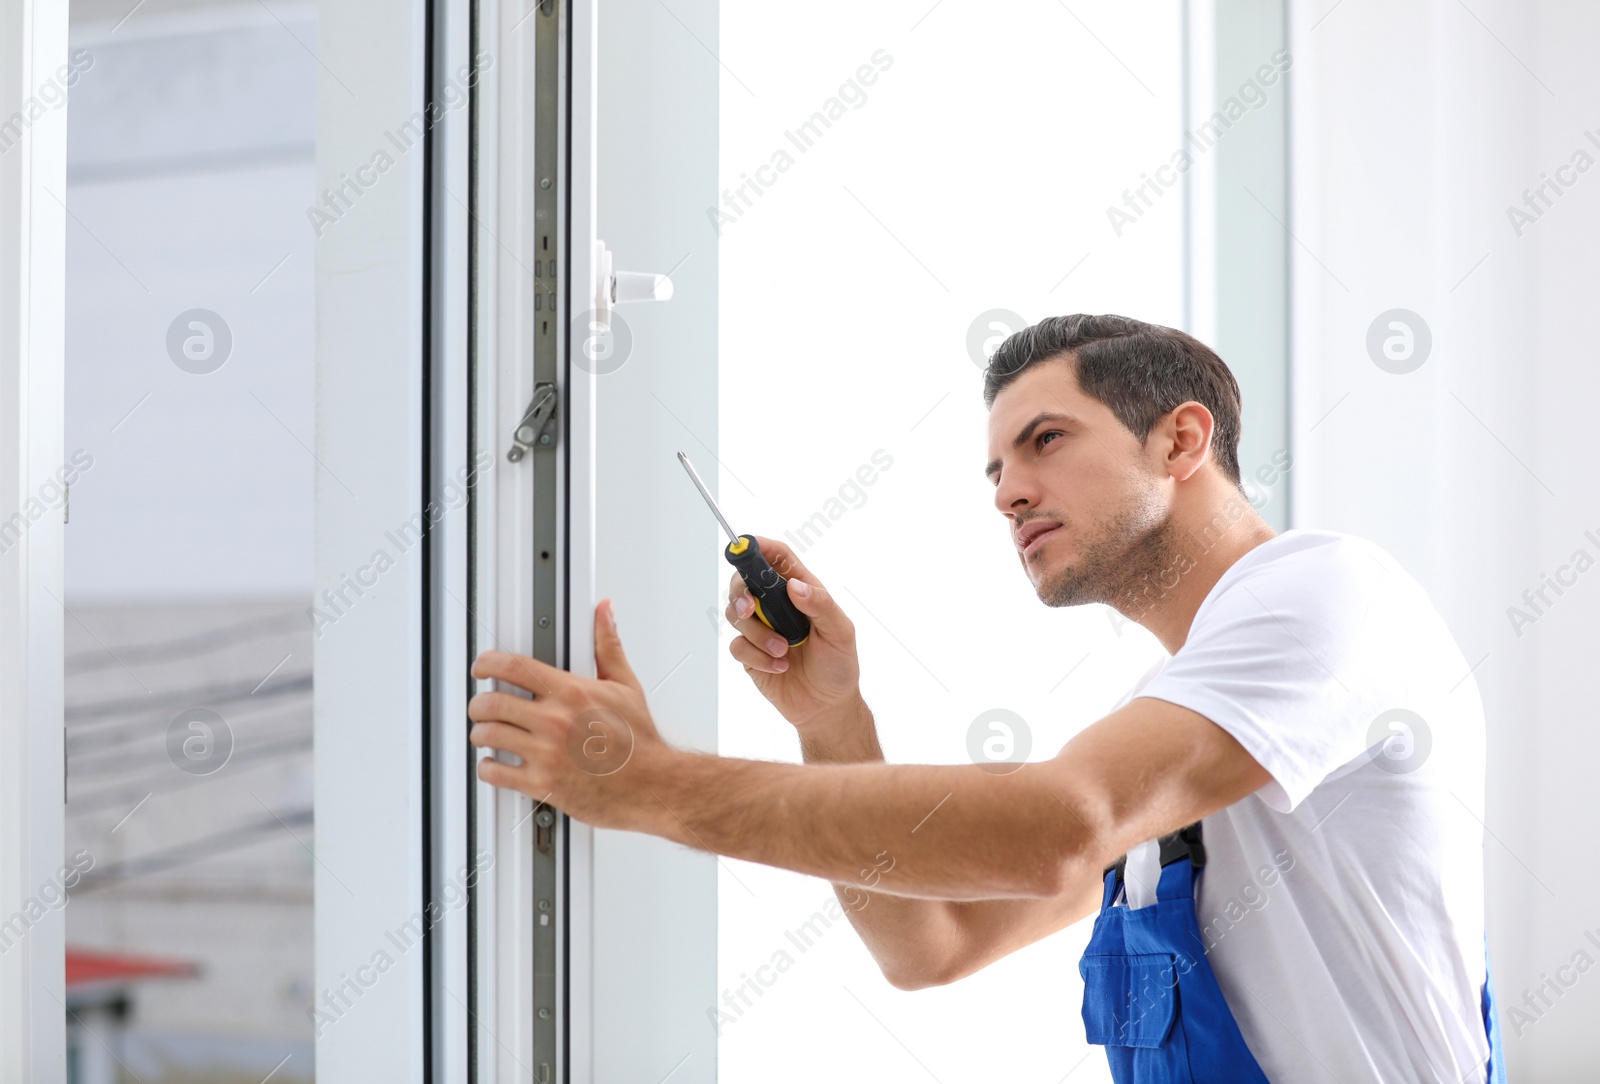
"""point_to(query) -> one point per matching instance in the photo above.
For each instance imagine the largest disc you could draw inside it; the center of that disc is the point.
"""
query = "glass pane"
(902, 188)
(189, 544)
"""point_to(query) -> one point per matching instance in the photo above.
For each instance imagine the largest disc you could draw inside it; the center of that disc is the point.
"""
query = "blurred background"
(1393, 244)
(190, 313)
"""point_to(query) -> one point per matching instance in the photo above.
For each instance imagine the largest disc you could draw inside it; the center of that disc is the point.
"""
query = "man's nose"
(1014, 493)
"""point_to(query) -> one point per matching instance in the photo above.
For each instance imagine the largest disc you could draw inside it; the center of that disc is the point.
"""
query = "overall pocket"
(1129, 1000)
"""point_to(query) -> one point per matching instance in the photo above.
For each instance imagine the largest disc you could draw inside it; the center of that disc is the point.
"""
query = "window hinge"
(537, 426)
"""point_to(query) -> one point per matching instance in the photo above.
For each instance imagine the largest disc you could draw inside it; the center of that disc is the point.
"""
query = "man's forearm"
(850, 736)
(913, 940)
(943, 832)
(847, 736)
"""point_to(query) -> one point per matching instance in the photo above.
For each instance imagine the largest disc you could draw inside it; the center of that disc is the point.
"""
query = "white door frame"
(33, 176)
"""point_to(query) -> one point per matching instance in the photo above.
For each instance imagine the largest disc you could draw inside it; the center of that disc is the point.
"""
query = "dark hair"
(1141, 371)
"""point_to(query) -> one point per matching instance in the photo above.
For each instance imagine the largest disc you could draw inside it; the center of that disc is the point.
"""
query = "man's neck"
(1206, 543)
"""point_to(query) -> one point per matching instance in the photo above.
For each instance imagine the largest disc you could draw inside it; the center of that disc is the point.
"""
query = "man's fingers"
(539, 678)
(514, 711)
(496, 774)
(497, 707)
(811, 599)
(502, 737)
(780, 557)
(756, 659)
(783, 559)
(761, 637)
(807, 593)
(741, 615)
(611, 662)
(740, 604)
(818, 603)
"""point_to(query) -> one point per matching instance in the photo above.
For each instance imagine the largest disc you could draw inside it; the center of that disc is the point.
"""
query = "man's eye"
(1049, 433)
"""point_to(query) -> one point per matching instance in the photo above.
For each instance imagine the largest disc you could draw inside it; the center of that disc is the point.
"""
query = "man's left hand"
(588, 746)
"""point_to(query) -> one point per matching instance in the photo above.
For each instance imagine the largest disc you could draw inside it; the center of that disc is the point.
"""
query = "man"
(1274, 828)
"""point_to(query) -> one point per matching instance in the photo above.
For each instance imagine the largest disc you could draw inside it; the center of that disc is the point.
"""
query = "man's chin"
(1063, 589)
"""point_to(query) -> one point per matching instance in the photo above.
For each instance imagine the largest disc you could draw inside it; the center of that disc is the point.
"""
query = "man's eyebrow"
(1027, 431)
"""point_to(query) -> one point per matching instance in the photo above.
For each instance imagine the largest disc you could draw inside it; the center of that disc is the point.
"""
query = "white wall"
(1415, 127)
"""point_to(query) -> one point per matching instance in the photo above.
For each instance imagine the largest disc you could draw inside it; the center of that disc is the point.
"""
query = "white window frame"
(506, 248)
(425, 329)
(367, 704)
(33, 176)
(1236, 230)
(394, 422)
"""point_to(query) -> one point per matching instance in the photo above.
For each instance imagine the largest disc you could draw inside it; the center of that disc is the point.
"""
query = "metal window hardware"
(544, 831)
(614, 288)
(537, 426)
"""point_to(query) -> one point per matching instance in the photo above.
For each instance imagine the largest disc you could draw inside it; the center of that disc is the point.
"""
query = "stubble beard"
(1129, 548)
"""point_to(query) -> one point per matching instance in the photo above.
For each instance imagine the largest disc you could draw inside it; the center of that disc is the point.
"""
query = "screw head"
(544, 182)
(544, 622)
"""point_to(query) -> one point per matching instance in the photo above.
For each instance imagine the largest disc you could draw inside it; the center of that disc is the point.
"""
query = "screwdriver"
(770, 590)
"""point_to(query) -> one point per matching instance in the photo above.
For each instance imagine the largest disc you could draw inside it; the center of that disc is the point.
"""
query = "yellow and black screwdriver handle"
(770, 591)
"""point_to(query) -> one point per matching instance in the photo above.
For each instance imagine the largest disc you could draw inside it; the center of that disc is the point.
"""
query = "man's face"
(1085, 502)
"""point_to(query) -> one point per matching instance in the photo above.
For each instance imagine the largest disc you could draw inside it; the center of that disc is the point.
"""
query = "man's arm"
(958, 832)
(1039, 836)
(918, 942)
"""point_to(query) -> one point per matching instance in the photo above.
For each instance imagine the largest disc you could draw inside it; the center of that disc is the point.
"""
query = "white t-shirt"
(1342, 903)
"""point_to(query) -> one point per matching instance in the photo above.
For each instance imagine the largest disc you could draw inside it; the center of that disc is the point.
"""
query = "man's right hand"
(816, 681)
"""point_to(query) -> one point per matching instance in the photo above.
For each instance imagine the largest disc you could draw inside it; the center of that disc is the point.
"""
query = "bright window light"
(858, 252)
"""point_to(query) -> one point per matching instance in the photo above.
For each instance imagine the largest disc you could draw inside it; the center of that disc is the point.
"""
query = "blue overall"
(1150, 996)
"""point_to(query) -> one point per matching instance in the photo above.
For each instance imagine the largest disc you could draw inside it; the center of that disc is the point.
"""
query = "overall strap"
(1177, 875)
(1491, 1022)
(1177, 879)
(1111, 883)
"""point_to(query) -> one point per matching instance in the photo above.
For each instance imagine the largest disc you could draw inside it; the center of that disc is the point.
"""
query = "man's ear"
(1186, 434)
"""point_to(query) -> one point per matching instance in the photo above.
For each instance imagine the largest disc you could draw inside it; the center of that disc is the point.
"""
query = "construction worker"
(1269, 830)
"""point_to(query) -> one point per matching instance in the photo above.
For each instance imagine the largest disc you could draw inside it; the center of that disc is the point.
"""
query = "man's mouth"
(1031, 535)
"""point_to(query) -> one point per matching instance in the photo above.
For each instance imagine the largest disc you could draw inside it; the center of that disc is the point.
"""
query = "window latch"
(537, 427)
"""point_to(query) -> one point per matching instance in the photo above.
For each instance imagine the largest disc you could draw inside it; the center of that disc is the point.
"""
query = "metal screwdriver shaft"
(694, 476)
(770, 590)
